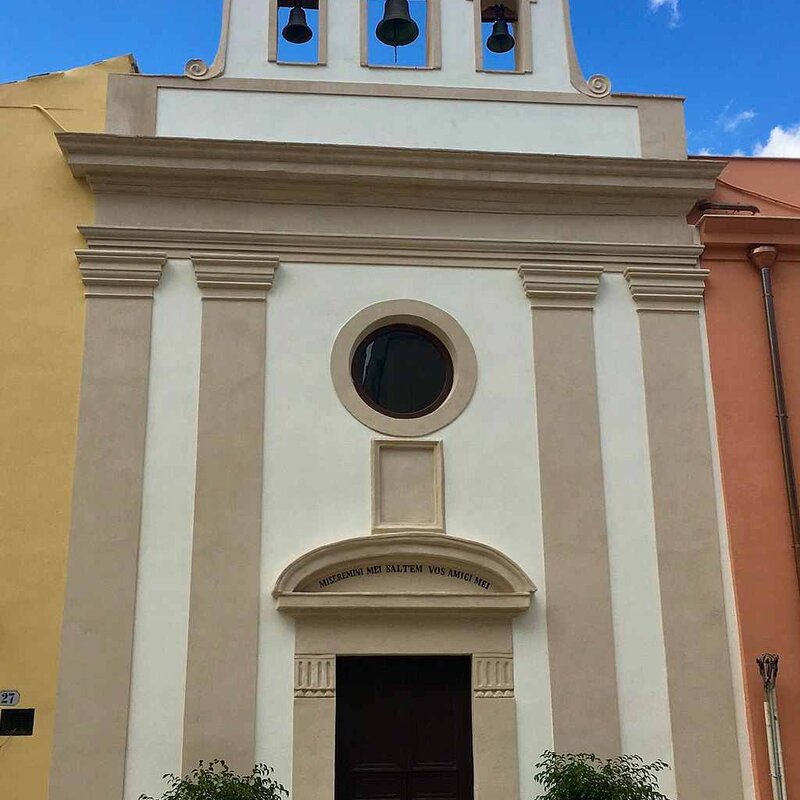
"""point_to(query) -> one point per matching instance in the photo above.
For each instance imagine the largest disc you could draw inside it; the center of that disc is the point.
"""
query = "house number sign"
(9, 697)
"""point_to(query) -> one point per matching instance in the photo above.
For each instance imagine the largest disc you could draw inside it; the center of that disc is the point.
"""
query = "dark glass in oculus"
(402, 371)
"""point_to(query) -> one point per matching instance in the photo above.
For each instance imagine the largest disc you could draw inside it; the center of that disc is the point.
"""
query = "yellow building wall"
(41, 341)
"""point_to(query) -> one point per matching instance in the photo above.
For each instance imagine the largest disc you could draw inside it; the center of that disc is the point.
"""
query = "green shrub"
(582, 776)
(216, 781)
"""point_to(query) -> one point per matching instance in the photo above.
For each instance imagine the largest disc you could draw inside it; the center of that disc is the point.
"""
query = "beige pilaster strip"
(699, 673)
(219, 717)
(580, 637)
(97, 635)
(314, 733)
(314, 727)
(494, 719)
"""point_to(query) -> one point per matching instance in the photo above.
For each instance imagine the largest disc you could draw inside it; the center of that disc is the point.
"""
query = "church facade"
(395, 462)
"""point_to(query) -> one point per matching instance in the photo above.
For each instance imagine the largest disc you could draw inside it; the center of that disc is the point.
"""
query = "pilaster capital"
(493, 675)
(551, 286)
(120, 273)
(667, 290)
(234, 276)
(315, 676)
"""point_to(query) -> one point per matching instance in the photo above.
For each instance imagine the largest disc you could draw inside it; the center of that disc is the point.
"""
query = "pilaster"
(224, 600)
(699, 673)
(580, 634)
(97, 635)
(494, 712)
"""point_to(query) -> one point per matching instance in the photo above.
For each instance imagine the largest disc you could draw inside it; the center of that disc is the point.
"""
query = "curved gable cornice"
(502, 586)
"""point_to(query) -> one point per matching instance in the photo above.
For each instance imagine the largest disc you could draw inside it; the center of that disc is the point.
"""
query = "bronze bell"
(501, 40)
(397, 28)
(297, 30)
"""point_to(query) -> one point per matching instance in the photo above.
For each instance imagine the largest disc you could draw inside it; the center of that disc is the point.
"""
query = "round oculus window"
(402, 370)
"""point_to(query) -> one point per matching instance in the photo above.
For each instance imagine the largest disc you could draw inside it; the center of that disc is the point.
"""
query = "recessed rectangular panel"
(407, 486)
(577, 129)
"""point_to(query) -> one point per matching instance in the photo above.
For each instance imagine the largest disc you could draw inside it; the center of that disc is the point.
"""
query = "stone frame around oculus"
(432, 319)
(405, 593)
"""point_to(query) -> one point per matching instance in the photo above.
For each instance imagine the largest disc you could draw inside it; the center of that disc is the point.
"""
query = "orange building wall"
(765, 580)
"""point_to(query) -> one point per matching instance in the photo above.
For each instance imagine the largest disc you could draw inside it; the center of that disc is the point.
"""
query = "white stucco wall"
(248, 48)
(488, 126)
(317, 460)
(317, 490)
(155, 727)
(638, 635)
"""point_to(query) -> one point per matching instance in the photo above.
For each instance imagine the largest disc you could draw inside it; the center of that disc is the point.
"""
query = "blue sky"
(734, 60)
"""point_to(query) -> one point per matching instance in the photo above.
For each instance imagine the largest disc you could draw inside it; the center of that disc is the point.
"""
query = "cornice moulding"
(120, 273)
(547, 286)
(511, 589)
(729, 229)
(234, 276)
(304, 247)
(737, 250)
(393, 177)
(667, 290)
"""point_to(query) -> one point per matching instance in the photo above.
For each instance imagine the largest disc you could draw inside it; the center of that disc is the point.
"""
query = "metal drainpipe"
(763, 258)
(768, 668)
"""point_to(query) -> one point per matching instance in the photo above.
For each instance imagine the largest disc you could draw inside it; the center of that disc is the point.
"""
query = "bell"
(397, 28)
(297, 30)
(501, 40)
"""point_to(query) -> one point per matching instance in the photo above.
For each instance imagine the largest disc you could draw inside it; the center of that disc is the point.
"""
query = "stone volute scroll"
(598, 86)
(404, 572)
(196, 68)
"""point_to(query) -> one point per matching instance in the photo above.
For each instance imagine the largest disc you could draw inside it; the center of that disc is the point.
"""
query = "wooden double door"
(403, 728)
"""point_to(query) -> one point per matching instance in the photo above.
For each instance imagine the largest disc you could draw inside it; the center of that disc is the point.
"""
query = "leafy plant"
(583, 776)
(216, 781)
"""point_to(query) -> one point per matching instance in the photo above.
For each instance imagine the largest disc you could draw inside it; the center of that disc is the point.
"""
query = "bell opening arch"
(404, 594)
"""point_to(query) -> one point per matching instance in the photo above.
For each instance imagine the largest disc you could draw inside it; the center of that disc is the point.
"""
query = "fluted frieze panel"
(315, 676)
(493, 675)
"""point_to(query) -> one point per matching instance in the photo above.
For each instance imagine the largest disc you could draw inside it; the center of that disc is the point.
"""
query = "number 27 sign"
(9, 697)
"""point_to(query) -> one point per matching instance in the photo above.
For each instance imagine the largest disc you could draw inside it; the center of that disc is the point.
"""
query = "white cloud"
(705, 151)
(673, 7)
(782, 143)
(731, 122)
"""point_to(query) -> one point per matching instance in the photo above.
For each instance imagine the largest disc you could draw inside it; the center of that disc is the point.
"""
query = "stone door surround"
(404, 594)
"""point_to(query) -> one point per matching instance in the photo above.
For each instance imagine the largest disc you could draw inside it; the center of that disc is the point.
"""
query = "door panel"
(403, 728)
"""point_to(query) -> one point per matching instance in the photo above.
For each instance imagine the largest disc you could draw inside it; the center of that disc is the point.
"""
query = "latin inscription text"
(436, 570)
